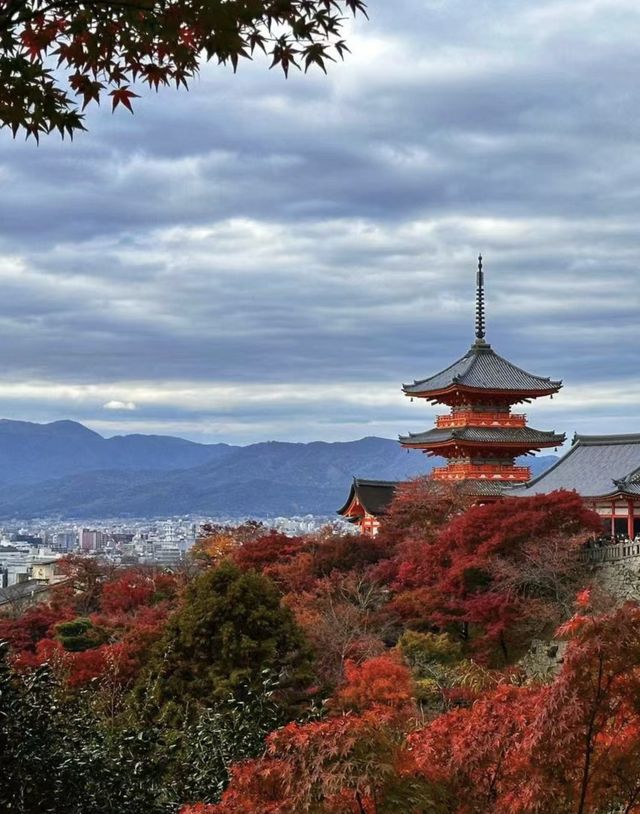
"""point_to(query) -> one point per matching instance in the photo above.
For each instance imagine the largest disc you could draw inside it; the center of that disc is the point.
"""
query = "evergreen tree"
(230, 632)
(57, 756)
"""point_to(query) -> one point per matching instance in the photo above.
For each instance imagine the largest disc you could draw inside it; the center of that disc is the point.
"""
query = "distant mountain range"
(65, 469)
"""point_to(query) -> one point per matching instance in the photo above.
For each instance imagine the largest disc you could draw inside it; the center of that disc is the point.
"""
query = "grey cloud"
(324, 230)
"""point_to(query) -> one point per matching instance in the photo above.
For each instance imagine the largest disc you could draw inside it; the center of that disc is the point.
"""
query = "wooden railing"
(482, 471)
(477, 419)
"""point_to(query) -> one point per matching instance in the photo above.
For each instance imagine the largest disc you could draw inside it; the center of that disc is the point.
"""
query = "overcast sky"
(267, 259)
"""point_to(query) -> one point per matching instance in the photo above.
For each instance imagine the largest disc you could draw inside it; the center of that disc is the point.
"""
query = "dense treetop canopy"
(57, 56)
(468, 659)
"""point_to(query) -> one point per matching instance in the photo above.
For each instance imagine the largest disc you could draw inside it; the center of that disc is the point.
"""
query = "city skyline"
(265, 259)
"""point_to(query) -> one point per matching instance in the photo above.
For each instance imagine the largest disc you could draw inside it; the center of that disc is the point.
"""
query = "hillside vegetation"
(332, 675)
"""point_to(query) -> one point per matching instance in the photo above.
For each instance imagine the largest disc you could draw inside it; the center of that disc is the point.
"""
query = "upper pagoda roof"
(495, 436)
(481, 368)
(595, 466)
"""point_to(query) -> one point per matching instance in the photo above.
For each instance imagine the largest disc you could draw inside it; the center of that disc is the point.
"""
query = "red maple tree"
(104, 48)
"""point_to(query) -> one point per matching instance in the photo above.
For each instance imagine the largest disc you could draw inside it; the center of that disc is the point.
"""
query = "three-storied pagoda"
(480, 437)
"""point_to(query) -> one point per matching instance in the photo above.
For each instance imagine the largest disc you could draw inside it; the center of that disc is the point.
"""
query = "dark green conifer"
(230, 632)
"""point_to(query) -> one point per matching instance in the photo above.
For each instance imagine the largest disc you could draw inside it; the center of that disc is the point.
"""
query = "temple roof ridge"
(605, 440)
(631, 477)
(374, 482)
(374, 496)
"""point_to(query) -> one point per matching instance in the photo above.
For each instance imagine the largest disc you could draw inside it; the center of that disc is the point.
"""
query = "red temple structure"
(480, 437)
(368, 501)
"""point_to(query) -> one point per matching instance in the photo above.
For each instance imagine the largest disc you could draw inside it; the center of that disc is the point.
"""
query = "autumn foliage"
(385, 672)
(58, 57)
(496, 575)
(98, 621)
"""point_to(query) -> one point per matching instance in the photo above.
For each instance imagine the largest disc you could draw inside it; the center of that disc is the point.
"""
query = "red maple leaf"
(123, 96)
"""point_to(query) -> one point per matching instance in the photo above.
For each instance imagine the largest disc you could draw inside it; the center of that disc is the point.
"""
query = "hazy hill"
(65, 469)
(36, 452)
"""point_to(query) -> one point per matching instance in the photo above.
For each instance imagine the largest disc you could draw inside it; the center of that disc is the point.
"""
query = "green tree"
(104, 47)
(232, 730)
(230, 631)
(63, 753)
(57, 757)
(79, 635)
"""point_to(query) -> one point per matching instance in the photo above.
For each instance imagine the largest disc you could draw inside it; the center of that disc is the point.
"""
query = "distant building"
(368, 501)
(17, 567)
(92, 540)
(29, 539)
(64, 541)
(121, 538)
(46, 571)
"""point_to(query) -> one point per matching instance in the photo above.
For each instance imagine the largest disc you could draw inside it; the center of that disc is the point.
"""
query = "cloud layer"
(262, 258)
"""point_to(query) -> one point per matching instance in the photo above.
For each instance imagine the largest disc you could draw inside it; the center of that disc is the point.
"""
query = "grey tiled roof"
(594, 466)
(480, 487)
(482, 368)
(374, 495)
(22, 590)
(493, 435)
(631, 489)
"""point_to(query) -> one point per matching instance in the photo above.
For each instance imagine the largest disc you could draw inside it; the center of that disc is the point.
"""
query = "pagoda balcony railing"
(501, 472)
(475, 419)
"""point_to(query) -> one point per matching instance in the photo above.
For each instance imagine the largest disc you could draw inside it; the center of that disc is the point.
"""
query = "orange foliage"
(571, 746)
(133, 611)
(382, 681)
(36, 623)
(508, 569)
(348, 762)
(267, 550)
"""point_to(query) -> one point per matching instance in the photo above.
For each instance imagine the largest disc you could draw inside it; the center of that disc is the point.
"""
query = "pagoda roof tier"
(368, 496)
(505, 437)
(483, 487)
(595, 466)
(481, 369)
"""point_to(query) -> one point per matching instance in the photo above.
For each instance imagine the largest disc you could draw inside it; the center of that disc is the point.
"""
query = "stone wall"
(543, 659)
(618, 574)
(621, 579)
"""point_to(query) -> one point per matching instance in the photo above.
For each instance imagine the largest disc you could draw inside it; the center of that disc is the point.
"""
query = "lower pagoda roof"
(525, 437)
(371, 496)
(595, 466)
(483, 488)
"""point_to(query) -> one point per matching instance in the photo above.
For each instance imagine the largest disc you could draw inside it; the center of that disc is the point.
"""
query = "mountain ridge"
(68, 470)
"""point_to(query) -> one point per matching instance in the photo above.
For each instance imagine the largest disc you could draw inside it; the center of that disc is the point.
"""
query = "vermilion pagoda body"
(480, 436)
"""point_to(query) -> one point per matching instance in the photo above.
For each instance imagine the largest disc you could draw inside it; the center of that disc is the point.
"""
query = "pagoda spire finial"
(480, 320)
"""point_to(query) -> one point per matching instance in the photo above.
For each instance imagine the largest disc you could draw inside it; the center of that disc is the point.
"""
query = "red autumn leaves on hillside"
(94, 624)
(415, 699)
(569, 746)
